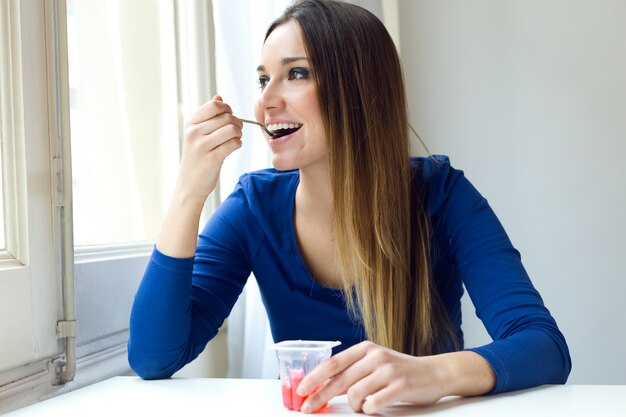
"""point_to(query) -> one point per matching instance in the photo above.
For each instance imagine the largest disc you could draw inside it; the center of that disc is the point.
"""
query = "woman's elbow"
(562, 371)
(146, 368)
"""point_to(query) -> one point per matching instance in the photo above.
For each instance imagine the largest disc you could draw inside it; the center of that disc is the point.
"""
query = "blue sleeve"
(527, 349)
(181, 303)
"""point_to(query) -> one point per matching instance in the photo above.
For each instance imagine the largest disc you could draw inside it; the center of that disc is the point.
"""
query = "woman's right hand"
(211, 134)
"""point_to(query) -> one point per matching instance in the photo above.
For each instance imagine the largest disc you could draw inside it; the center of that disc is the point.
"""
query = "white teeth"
(278, 126)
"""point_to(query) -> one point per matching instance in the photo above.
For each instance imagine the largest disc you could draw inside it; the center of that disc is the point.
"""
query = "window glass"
(2, 139)
(2, 243)
(124, 117)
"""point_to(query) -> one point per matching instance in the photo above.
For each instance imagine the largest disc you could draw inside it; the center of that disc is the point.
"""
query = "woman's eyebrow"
(289, 60)
(285, 61)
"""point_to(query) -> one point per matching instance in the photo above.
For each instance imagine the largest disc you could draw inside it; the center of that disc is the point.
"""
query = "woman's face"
(288, 102)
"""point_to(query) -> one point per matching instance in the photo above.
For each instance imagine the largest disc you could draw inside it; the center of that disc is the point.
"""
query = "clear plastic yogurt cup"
(296, 358)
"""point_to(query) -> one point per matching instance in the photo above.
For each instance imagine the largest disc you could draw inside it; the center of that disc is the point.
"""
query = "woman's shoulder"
(428, 165)
(434, 170)
(438, 178)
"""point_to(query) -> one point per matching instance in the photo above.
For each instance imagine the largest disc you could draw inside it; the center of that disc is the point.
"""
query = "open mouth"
(283, 129)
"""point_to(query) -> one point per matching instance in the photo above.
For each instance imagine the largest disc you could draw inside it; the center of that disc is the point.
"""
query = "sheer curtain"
(240, 26)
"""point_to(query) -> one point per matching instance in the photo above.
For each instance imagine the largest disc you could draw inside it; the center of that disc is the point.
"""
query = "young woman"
(349, 237)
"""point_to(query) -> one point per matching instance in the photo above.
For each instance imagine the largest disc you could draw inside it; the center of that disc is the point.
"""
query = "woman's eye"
(298, 73)
(262, 81)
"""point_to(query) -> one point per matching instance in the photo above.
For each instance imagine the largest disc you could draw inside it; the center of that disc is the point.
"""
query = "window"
(124, 117)
(125, 135)
(29, 268)
(136, 70)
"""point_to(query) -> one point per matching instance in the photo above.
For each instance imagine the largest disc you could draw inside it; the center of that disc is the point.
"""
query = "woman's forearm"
(464, 373)
(179, 233)
(211, 134)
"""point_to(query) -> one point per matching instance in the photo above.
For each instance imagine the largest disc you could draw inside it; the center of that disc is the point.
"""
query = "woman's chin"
(283, 165)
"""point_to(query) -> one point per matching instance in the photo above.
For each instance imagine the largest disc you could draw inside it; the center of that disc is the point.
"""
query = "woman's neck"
(314, 197)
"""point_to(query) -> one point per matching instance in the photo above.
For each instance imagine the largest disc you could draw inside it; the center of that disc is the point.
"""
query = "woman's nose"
(271, 96)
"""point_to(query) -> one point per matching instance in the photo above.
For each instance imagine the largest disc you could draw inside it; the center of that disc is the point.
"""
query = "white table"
(130, 396)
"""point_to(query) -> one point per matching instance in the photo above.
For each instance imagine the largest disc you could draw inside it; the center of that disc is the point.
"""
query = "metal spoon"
(269, 132)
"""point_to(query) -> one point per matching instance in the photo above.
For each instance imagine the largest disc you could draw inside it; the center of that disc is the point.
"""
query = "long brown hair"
(380, 220)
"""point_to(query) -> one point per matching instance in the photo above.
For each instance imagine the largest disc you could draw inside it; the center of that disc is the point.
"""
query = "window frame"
(11, 134)
(37, 40)
(29, 284)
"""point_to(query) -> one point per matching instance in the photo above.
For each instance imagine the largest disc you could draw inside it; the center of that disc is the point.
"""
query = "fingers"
(214, 125)
(333, 366)
(368, 395)
(211, 126)
(373, 377)
(209, 110)
(383, 387)
(221, 151)
(335, 376)
(343, 382)
(382, 398)
(361, 391)
(211, 134)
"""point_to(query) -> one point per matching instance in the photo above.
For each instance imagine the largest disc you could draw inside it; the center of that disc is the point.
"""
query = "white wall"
(528, 97)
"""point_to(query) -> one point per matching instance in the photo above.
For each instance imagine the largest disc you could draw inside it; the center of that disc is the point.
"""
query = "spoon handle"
(258, 124)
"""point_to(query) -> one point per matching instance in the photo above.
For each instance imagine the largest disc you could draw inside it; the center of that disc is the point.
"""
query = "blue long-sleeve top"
(181, 303)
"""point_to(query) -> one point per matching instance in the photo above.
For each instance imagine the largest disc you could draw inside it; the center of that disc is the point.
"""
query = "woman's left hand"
(373, 377)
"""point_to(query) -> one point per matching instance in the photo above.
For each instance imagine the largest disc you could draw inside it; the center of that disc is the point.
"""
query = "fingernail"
(306, 408)
(300, 391)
